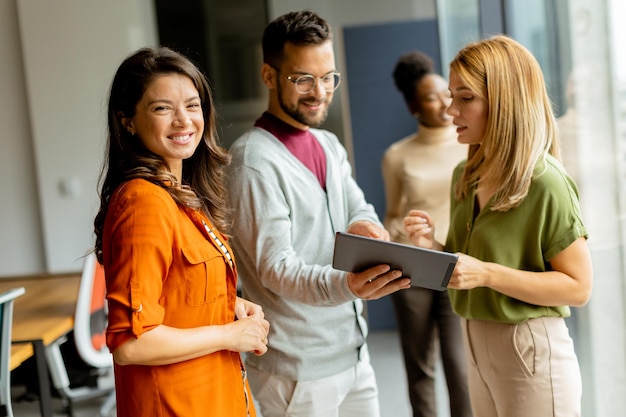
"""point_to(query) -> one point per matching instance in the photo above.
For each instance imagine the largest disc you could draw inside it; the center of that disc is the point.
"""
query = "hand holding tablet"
(426, 268)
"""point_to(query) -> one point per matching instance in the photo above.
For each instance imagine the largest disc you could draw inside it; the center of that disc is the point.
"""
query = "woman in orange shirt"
(176, 326)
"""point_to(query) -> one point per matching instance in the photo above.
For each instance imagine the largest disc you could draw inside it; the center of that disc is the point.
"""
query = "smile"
(181, 138)
(313, 104)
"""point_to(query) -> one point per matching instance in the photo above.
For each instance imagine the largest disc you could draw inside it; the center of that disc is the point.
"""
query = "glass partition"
(458, 24)
(580, 49)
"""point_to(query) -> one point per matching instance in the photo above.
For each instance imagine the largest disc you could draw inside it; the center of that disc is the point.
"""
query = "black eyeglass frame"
(297, 80)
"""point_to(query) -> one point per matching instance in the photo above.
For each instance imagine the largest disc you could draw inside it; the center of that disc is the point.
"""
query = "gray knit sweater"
(283, 238)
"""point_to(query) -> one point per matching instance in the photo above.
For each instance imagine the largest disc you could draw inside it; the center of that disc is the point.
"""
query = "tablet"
(427, 268)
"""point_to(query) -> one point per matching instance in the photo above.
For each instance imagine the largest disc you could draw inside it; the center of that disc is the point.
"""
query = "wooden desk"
(45, 312)
(40, 316)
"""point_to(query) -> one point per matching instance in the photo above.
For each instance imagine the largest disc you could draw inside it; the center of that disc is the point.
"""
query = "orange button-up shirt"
(162, 267)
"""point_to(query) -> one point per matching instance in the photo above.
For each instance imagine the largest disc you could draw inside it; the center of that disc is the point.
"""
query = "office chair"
(6, 318)
(90, 320)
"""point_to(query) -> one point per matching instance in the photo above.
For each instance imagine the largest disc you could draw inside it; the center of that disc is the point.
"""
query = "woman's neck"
(434, 135)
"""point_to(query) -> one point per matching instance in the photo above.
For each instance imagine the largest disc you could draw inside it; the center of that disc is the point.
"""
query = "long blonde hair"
(521, 127)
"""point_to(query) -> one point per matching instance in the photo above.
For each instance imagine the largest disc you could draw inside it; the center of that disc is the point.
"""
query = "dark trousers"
(427, 326)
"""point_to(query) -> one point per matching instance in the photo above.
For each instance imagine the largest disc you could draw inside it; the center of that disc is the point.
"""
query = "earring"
(416, 115)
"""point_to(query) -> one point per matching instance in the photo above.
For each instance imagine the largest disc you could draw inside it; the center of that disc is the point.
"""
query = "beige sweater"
(417, 171)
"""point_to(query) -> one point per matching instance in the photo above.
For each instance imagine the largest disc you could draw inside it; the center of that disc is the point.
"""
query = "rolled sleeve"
(138, 235)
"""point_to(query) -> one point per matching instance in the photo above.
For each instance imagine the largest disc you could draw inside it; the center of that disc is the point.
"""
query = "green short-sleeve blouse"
(524, 238)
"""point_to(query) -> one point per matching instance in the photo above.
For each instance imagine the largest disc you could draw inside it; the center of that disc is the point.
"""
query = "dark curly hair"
(409, 70)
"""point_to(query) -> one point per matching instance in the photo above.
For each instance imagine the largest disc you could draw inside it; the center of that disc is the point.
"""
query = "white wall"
(64, 55)
(21, 246)
(350, 12)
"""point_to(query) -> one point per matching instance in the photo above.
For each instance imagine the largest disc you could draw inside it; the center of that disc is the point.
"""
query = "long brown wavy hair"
(202, 186)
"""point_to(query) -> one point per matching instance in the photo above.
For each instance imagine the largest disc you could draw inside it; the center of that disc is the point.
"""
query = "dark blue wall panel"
(378, 114)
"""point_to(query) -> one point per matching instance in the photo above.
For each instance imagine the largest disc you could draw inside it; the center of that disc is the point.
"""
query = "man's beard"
(299, 116)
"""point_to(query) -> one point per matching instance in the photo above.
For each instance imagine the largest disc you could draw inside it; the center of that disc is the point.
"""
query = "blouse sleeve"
(563, 222)
(137, 242)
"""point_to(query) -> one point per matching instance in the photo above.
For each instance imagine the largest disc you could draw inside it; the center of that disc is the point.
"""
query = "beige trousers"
(522, 370)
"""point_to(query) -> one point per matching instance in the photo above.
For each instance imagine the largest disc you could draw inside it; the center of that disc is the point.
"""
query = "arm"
(165, 345)
(378, 281)
(139, 241)
(395, 201)
(284, 227)
(569, 283)
(267, 236)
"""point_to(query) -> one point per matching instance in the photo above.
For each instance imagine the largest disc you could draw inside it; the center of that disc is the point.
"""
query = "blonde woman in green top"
(515, 222)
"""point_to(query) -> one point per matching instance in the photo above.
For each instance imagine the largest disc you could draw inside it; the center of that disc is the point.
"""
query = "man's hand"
(376, 282)
(368, 229)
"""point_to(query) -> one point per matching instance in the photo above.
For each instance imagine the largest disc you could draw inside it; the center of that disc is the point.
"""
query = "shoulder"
(326, 136)
(553, 191)
(139, 186)
(256, 154)
(550, 176)
(256, 147)
(140, 193)
(401, 145)
(458, 170)
(254, 138)
(394, 156)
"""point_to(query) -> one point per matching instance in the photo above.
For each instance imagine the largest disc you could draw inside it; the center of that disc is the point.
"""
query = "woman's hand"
(420, 229)
(248, 334)
(568, 283)
(244, 310)
(469, 273)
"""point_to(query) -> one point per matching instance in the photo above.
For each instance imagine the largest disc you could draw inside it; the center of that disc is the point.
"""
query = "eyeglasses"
(307, 82)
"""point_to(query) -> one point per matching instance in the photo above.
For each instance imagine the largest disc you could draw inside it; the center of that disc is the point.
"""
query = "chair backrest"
(90, 318)
(6, 320)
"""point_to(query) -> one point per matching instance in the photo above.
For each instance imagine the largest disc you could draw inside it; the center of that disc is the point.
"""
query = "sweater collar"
(436, 135)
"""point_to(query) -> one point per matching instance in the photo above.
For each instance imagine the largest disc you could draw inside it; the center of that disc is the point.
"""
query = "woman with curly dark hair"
(417, 172)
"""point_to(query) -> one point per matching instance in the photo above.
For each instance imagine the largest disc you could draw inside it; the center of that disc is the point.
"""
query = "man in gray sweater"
(291, 189)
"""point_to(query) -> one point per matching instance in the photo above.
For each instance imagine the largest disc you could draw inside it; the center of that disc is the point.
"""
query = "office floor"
(25, 408)
(389, 367)
(386, 359)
